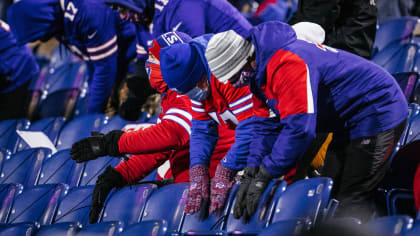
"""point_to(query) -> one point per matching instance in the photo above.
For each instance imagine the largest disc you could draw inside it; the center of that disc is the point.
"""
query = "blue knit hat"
(181, 67)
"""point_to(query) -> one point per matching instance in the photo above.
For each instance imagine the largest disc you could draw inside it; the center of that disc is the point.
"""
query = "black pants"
(357, 167)
(13, 104)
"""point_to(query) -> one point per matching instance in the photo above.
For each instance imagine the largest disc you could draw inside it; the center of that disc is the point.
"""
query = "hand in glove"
(198, 194)
(256, 189)
(106, 182)
(239, 209)
(96, 146)
(221, 184)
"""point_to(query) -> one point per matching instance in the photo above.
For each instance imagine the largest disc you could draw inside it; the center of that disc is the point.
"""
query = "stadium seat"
(127, 204)
(79, 128)
(60, 168)
(8, 192)
(105, 228)
(152, 227)
(66, 76)
(413, 111)
(394, 30)
(284, 227)
(27, 229)
(59, 103)
(24, 167)
(75, 206)
(408, 82)
(400, 202)
(114, 123)
(8, 132)
(57, 229)
(96, 167)
(399, 57)
(213, 223)
(49, 126)
(37, 204)
(4, 155)
(414, 128)
(167, 203)
(314, 195)
(390, 225)
(261, 218)
(415, 230)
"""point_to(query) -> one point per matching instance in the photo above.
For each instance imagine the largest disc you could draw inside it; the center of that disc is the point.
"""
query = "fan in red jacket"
(166, 140)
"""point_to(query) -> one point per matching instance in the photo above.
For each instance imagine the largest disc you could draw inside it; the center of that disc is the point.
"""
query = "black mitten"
(256, 189)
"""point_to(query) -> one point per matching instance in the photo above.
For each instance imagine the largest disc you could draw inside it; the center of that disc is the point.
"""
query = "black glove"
(240, 205)
(104, 184)
(96, 146)
(256, 189)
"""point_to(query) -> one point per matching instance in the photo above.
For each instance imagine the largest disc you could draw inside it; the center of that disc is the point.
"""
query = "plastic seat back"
(303, 199)
(75, 206)
(37, 203)
(60, 168)
(127, 204)
(8, 135)
(391, 225)
(8, 192)
(79, 128)
(24, 167)
(152, 227)
(96, 167)
(167, 203)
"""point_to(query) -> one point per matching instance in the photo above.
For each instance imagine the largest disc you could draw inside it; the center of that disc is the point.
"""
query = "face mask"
(197, 94)
(244, 78)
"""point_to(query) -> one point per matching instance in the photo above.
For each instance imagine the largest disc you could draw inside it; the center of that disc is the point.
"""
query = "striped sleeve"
(179, 116)
(103, 50)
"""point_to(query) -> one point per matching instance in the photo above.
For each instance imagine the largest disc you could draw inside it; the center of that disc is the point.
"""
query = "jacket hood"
(200, 43)
(29, 25)
(268, 38)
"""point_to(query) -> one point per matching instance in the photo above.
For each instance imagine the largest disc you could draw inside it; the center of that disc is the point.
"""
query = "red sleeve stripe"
(183, 113)
(240, 101)
(309, 92)
(110, 42)
(104, 55)
(242, 109)
(179, 121)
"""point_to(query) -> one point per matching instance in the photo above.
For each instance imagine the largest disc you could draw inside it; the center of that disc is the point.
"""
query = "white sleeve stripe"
(244, 108)
(104, 55)
(141, 49)
(309, 92)
(62, 5)
(196, 103)
(141, 53)
(201, 110)
(103, 46)
(180, 112)
(241, 100)
(179, 121)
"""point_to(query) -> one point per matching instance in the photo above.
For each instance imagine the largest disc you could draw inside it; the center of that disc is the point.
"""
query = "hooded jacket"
(89, 28)
(17, 64)
(314, 88)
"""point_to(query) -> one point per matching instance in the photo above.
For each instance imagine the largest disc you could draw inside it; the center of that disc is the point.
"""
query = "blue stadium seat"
(414, 128)
(8, 192)
(114, 123)
(79, 128)
(213, 223)
(284, 227)
(127, 204)
(49, 126)
(153, 227)
(394, 30)
(415, 230)
(408, 82)
(413, 111)
(96, 167)
(4, 155)
(75, 206)
(64, 229)
(37, 204)
(60, 168)
(400, 202)
(27, 229)
(399, 57)
(105, 228)
(24, 167)
(8, 132)
(65, 76)
(261, 218)
(59, 103)
(391, 225)
(167, 203)
(313, 198)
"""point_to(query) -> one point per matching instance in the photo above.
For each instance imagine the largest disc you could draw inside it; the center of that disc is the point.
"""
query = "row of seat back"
(399, 57)
(410, 85)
